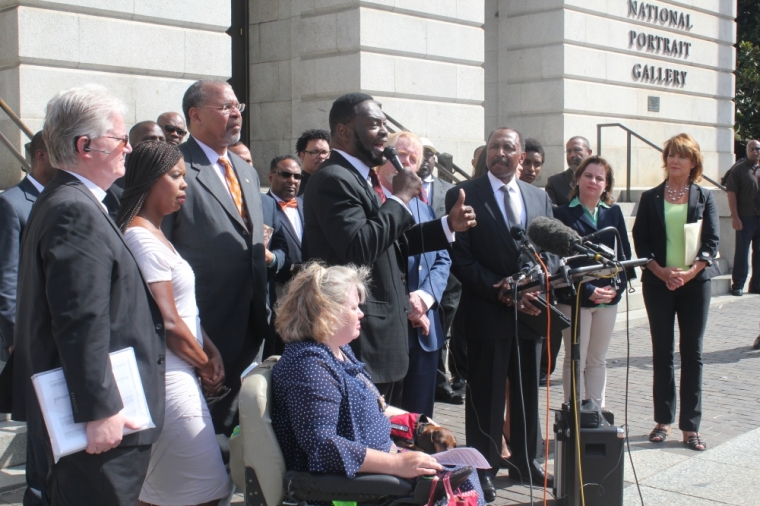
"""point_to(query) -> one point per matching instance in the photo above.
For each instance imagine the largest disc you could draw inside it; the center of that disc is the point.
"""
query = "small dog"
(419, 433)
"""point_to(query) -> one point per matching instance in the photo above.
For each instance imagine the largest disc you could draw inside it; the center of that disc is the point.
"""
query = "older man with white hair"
(81, 296)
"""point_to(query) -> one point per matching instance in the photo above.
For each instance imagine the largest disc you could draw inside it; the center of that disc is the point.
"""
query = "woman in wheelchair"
(326, 413)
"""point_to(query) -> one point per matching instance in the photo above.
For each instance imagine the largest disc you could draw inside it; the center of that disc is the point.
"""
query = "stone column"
(421, 60)
(565, 66)
(146, 52)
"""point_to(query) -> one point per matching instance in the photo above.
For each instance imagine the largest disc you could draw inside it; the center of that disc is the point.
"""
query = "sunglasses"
(287, 175)
(174, 130)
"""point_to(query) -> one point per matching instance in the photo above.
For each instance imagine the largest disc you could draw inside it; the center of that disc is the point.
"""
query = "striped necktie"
(234, 185)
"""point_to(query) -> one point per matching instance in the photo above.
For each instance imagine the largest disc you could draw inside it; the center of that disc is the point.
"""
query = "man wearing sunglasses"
(285, 177)
(220, 232)
(173, 126)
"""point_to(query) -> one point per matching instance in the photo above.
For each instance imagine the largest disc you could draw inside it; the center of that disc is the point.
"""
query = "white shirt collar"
(35, 183)
(362, 167)
(497, 183)
(428, 179)
(213, 156)
(96, 190)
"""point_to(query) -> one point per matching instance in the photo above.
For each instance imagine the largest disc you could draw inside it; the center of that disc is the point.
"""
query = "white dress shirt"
(514, 192)
(293, 216)
(37, 183)
(364, 169)
(96, 190)
(213, 157)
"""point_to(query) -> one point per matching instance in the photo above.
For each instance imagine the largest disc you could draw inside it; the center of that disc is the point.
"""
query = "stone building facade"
(449, 70)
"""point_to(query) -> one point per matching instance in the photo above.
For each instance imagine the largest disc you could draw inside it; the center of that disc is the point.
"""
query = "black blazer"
(292, 241)
(484, 255)
(649, 229)
(344, 222)
(559, 186)
(577, 219)
(227, 258)
(81, 296)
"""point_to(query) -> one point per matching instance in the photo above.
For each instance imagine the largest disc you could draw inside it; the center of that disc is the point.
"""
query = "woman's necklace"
(674, 195)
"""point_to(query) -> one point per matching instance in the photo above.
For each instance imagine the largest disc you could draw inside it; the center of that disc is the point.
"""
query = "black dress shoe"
(458, 384)
(422, 487)
(489, 491)
(736, 292)
(448, 396)
(536, 473)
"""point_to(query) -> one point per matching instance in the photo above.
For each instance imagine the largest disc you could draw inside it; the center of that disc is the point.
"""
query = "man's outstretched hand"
(461, 216)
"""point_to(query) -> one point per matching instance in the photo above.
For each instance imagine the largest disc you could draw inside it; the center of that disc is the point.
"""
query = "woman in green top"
(674, 285)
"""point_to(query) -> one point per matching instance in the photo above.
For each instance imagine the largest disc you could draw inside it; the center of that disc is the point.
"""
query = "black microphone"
(392, 155)
(599, 232)
(553, 236)
(518, 234)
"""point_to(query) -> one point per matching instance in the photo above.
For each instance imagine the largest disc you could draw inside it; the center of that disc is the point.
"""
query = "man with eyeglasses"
(313, 148)
(220, 232)
(560, 185)
(80, 297)
(173, 126)
(742, 185)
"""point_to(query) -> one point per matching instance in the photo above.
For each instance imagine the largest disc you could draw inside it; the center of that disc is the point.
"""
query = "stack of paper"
(67, 437)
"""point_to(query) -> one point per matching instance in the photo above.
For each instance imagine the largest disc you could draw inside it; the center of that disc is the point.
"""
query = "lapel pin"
(246, 180)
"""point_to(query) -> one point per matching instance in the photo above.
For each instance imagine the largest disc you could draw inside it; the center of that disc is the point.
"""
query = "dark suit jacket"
(291, 239)
(429, 272)
(228, 260)
(344, 222)
(484, 255)
(437, 197)
(577, 219)
(81, 296)
(559, 186)
(15, 206)
(649, 237)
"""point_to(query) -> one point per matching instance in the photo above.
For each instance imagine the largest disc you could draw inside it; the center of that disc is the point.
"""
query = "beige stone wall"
(146, 52)
(564, 66)
(421, 59)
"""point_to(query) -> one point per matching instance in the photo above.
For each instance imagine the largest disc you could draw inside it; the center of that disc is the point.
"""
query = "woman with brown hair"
(677, 285)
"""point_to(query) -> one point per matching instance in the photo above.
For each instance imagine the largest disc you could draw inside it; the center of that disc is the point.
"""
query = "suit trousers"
(418, 393)
(690, 303)
(489, 364)
(114, 477)
(597, 324)
(748, 236)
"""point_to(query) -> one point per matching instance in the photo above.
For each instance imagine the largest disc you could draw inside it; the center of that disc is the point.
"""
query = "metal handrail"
(12, 115)
(449, 174)
(629, 135)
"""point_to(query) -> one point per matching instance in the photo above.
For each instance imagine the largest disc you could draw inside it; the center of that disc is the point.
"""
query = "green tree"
(748, 70)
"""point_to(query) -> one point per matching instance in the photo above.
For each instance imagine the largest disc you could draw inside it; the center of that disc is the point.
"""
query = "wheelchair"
(258, 467)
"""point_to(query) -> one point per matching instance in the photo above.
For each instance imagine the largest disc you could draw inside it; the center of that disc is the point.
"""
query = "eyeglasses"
(227, 108)
(318, 153)
(173, 129)
(287, 175)
(122, 140)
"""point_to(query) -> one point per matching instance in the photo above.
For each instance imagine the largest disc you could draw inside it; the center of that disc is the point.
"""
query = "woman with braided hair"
(186, 465)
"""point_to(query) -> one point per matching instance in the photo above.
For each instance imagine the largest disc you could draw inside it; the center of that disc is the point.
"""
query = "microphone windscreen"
(552, 236)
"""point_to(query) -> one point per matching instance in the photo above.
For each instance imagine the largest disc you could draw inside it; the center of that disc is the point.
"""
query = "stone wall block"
(317, 35)
(425, 79)
(262, 11)
(204, 54)
(254, 119)
(348, 30)
(265, 81)
(378, 73)
(276, 119)
(9, 37)
(393, 32)
(285, 78)
(455, 42)
(254, 43)
(539, 29)
(333, 75)
(204, 12)
(470, 83)
(275, 40)
(34, 29)
(302, 77)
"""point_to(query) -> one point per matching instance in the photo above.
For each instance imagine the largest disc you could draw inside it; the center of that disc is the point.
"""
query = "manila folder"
(67, 437)
(692, 241)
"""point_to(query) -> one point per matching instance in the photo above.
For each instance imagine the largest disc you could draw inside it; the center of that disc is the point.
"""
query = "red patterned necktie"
(290, 203)
(423, 195)
(376, 185)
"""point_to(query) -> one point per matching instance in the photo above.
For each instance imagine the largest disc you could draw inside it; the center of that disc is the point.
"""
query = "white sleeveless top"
(161, 263)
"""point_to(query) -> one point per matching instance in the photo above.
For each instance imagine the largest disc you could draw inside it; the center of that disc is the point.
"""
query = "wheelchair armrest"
(305, 486)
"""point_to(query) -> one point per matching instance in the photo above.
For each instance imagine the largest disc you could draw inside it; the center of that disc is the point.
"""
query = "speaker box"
(602, 459)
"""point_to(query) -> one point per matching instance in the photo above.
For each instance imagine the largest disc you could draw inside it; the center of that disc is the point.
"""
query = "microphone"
(392, 155)
(553, 236)
(518, 234)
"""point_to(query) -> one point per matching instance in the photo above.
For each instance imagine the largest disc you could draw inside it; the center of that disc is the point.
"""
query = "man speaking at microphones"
(483, 257)
(345, 222)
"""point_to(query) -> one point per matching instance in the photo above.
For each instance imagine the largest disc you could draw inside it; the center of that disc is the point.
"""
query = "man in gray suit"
(15, 206)
(559, 186)
(219, 231)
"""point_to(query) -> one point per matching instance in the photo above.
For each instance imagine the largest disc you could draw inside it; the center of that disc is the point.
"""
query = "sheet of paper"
(692, 233)
(248, 371)
(462, 457)
(67, 437)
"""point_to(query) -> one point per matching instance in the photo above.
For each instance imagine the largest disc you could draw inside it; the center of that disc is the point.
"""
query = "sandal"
(694, 442)
(659, 434)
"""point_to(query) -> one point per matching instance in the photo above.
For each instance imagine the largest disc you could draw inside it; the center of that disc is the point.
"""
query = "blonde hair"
(394, 138)
(684, 144)
(312, 307)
